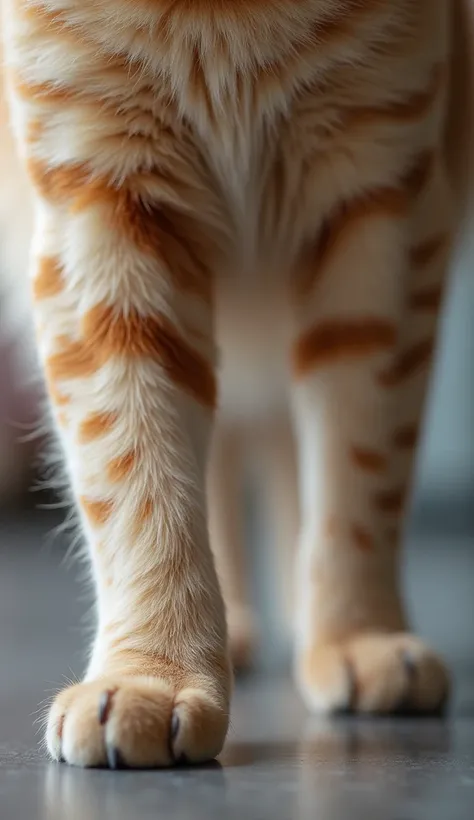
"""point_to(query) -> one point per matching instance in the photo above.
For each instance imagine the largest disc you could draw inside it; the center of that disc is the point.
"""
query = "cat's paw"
(136, 722)
(373, 673)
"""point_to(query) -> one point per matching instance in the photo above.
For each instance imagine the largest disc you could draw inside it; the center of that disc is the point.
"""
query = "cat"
(244, 211)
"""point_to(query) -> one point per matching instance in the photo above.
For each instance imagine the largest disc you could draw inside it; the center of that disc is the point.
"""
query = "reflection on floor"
(278, 762)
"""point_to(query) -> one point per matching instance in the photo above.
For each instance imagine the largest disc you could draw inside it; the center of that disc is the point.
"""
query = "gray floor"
(278, 763)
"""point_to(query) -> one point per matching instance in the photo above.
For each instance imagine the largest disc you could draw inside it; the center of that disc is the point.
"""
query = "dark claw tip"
(352, 693)
(105, 705)
(409, 663)
(114, 758)
(174, 725)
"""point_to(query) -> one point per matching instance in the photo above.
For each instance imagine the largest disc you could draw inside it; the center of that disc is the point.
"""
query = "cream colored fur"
(300, 156)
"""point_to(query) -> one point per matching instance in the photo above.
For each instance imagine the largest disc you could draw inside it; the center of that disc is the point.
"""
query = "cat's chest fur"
(247, 84)
(270, 92)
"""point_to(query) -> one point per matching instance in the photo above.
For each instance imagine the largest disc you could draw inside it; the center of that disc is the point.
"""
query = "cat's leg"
(133, 389)
(226, 525)
(360, 361)
(132, 384)
(122, 291)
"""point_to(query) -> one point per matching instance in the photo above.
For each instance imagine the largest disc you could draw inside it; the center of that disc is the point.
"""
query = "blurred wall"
(445, 492)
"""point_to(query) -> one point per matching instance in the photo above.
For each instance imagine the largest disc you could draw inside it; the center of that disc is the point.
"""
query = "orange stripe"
(34, 131)
(423, 254)
(146, 509)
(95, 426)
(427, 300)
(107, 334)
(339, 339)
(390, 501)
(164, 234)
(417, 105)
(46, 92)
(49, 278)
(36, 13)
(407, 364)
(59, 184)
(362, 538)
(62, 419)
(329, 32)
(420, 172)
(74, 360)
(159, 231)
(121, 467)
(98, 512)
(406, 437)
(55, 395)
(377, 203)
(368, 460)
(144, 513)
(112, 334)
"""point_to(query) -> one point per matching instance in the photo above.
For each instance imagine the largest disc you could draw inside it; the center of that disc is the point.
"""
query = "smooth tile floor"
(278, 763)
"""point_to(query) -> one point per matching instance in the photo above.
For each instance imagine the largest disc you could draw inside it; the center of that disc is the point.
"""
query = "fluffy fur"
(279, 181)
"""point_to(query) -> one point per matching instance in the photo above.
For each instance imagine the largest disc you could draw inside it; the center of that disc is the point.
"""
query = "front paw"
(373, 673)
(135, 721)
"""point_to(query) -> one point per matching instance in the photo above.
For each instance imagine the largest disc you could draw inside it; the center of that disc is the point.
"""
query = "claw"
(174, 729)
(105, 705)
(115, 759)
(174, 725)
(409, 664)
(351, 703)
(60, 728)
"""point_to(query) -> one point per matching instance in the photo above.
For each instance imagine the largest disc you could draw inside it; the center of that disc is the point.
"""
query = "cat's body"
(286, 173)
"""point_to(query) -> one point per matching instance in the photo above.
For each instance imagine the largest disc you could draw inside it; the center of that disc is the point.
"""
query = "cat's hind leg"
(361, 362)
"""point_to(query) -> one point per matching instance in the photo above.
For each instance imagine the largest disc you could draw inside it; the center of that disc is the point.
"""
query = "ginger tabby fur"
(281, 182)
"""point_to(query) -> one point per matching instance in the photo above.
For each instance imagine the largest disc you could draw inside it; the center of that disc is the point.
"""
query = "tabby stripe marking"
(97, 512)
(378, 203)
(362, 538)
(390, 501)
(341, 339)
(107, 334)
(423, 254)
(120, 468)
(158, 231)
(48, 280)
(427, 300)
(95, 426)
(416, 106)
(406, 437)
(407, 364)
(369, 460)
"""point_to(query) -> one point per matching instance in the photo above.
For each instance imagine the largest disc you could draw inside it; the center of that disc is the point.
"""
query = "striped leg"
(132, 384)
(408, 377)
(350, 359)
(123, 302)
